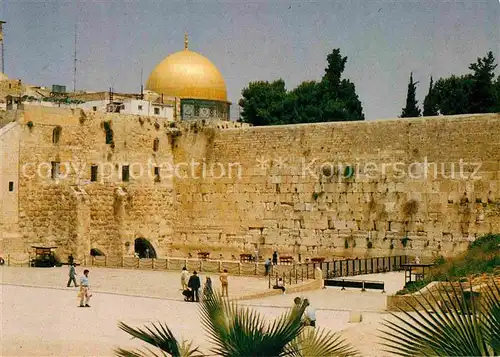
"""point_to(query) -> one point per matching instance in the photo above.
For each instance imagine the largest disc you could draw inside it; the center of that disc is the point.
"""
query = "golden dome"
(187, 74)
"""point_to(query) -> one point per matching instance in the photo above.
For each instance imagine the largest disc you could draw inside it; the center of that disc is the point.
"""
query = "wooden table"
(286, 259)
(246, 258)
(203, 255)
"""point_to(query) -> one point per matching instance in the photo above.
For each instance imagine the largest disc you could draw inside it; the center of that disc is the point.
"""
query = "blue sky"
(252, 40)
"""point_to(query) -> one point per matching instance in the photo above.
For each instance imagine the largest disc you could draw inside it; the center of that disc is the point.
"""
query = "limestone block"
(340, 224)
(355, 316)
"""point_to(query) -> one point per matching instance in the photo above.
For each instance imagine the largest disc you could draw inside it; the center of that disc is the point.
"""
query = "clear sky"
(252, 40)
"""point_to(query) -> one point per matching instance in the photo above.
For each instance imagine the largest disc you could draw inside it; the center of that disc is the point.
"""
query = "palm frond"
(243, 332)
(318, 343)
(491, 308)
(436, 328)
(159, 336)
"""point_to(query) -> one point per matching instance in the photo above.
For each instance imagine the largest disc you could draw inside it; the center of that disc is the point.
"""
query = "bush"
(413, 286)
(482, 257)
(405, 241)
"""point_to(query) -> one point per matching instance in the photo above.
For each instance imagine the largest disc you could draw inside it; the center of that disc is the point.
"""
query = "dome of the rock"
(187, 74)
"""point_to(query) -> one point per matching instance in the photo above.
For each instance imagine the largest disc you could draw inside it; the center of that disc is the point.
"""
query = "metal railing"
(293, 273)
(297, 274)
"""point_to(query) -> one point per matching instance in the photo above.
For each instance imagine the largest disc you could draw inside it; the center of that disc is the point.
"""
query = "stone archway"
(96, 252)
(144, 248)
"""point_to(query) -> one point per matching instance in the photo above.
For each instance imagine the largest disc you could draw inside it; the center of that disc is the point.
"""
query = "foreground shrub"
(455, 325)
(236, 331)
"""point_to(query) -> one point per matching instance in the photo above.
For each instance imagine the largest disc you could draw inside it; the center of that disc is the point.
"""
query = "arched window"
(56, 134)
(156, 144)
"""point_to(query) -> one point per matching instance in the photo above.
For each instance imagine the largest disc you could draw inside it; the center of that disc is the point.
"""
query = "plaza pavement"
(41, 317)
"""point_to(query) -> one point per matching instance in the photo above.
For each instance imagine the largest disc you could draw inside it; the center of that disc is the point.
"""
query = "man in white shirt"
(84, 289)
(310, 314)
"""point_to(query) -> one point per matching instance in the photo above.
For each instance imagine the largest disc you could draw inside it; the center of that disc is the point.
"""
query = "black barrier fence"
(297, 274)
(353, 267)
(360, 284)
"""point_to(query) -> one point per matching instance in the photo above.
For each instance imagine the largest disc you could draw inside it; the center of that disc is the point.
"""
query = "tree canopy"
(476, 92)
(331, 99)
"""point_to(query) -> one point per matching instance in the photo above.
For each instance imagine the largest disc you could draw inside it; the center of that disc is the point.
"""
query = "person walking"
(223, 277)
(184, 278)
(194, 284)
(275, 258)
(71, 259)
(267, 265)
(85, 289)
(72, 274)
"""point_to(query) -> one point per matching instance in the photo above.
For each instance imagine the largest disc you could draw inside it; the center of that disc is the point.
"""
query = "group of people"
(191, 285)
(84, 293)
(268, 262)
(309, 313)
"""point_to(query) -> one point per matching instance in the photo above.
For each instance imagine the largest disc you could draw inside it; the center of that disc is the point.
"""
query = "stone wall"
(77, 214)
(320, 190)
(295, 194)
(9, 163)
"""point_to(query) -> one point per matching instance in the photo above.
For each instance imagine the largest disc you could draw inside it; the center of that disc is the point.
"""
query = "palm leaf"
(238, 331)
(318, 343)
(491, 307)
(454, 330)
(159, 336)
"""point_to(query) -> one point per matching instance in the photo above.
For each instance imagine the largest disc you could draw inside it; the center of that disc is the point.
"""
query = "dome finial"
(185, 41)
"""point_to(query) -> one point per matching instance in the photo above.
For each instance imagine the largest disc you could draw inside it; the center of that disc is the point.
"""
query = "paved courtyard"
(41, 317)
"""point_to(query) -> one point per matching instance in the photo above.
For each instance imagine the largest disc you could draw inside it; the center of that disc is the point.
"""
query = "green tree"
(496, 107)
(340, 101)
(304, 104)
(471, 93)
(332, 99)
(482, 96)
(452, 94)
(430, 106)
(262, 103)
(334, 70)
(411, 110)
(238, 331)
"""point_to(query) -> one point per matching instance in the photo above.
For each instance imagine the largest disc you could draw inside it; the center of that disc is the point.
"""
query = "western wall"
(295, 196)
(318, 190)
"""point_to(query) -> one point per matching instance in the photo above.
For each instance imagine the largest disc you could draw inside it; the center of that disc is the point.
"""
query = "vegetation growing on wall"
(109, 132)
(410, 208)
(404, 241)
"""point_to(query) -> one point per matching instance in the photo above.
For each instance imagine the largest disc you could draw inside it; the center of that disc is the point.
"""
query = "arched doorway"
(144, 249)
(96, 252)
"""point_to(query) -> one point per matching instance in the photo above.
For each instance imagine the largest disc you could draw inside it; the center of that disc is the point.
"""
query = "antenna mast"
(3, 50)
(142, 87)
(75, 60)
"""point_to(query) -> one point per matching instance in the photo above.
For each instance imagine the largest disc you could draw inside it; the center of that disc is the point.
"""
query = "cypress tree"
(430, 107)
(411, 110)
